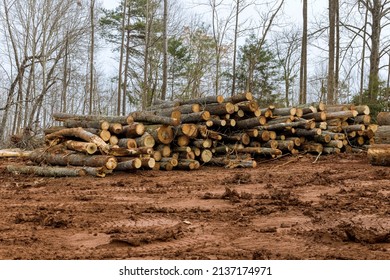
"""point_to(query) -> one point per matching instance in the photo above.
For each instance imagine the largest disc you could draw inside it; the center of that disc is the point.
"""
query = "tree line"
(51, 55)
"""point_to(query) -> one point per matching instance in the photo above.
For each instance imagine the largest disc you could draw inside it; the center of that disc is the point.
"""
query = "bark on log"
(382, 135)
(251, 123)
(362, 109)
(14, 153)
(76, 159)
(46, 171)
(162, 134)
(104, 125)
(284, 111)
(115, 128)
(133, 130)
(146, 140)
(319, 116)
(84, 147)
(188, 129)
(122, 152)
(188, 164)
(379, 154)
(383, 118)
(341, 114)
(240, 97)
(124, 120)
(129, 165)
(204, 100)
(82, 134)
(144, 116)
(195, 117)
(362, 119)
(219, 108)
(127, 143)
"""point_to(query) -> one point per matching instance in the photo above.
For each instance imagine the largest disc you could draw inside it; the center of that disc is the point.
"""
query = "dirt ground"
(291, 208)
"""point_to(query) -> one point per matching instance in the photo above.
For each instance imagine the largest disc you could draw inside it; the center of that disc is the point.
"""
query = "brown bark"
(132, 164)
(14, 153)
(84, 147)
(82, 134)
(204, 100)
(195, 117)
(76, 159)
(219, 108)
(251, 122)
(284, 111)
(144, 116)
(382, 135)
(162, 134)
(115, 128)
(146, 140)
(46, 171)
(246, 96)
(124, 120)
(122, 152)
(103, 125)
(341, 114)
(379, 154)
(383, 118)
(188, 164)
(133, 130)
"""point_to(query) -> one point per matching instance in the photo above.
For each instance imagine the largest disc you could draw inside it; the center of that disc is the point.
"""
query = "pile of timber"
(379, 154)
(213, 130)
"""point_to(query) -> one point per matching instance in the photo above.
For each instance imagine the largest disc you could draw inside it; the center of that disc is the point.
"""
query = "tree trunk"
(46, 171)
(82, 134)
(379, 154)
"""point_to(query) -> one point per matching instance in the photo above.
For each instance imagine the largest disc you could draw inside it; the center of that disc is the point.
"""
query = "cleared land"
(291, 208)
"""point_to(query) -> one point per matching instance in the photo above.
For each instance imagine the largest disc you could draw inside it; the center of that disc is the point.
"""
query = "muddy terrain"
(290, 208)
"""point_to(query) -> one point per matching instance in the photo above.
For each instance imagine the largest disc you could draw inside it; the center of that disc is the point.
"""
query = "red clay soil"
(291, 208)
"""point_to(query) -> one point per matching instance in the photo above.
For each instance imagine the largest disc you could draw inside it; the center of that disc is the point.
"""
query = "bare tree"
(303, 67)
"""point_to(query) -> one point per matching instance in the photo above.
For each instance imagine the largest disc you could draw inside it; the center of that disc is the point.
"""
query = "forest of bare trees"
(53, 55)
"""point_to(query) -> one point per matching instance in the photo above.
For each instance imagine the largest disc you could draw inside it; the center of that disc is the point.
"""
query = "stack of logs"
(213, 130)
(379, 154)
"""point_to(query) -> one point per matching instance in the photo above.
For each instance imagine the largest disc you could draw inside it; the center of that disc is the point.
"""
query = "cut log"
(240, 97)
(127, 143)
(188, 129)
(173, 161)
(104, 125)
(162, 134)
(248, 106)
(382, 135)
(341, 114)
(362, 119)
(84, 147)
(251, 122)
(308, 132)
(195, 117)
(284, 111)
(362, 109)
(312, 147)
(133, 130)
(63, 159)
(319, 116)
(188, 164)
(183, 140)
(132, 164)
(331, 150)
(165, 150)
(14, 153)
(219, 108)
(146, 140)
(113, 140)
(46, 171)
(148, 163)
(144, 116)
(204, 100)
(203, 143)
(122, 152)
(383, 118)
(206, 155)
(379, 154)
(335, 144)
(124, 120)
(115, 128)
(82, 134)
